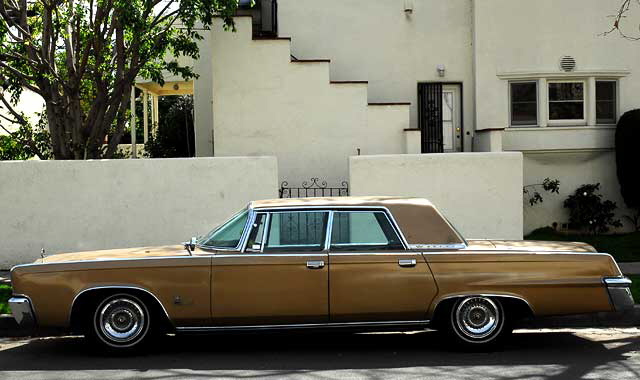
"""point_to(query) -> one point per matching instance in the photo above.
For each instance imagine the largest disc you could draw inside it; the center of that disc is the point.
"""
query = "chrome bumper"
(619, 293)
(22, 311)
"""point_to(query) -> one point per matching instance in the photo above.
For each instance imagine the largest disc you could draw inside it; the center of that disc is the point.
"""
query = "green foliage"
(549, 185)
(628, 162)
(5, 294)
(83, 56)
(587, 210)
(623, 247)
(174, 136)
(25, 143)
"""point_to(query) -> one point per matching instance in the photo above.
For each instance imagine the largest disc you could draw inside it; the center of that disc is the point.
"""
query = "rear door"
(281, 278)
(372, 277)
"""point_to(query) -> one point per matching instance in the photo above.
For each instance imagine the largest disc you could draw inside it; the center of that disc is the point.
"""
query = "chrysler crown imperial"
(361, 263)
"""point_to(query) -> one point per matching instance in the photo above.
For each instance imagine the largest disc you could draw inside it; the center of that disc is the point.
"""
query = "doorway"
(440, 117)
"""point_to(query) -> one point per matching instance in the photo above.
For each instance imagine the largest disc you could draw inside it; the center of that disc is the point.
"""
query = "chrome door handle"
(407, 263)
(315, 264)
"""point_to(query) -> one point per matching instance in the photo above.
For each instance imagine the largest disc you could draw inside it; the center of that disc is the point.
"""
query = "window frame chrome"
(385, 212)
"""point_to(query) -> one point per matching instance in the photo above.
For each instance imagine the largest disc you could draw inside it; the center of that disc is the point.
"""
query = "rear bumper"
(22, 311)
(619, 293)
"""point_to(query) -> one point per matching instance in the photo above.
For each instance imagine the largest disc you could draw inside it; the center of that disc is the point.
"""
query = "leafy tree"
(25, 143)
(174, 136)
(82, 57)
(587, 210)
(628, 162)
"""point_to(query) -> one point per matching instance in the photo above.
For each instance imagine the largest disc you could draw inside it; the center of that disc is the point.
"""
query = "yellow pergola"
(153, 91)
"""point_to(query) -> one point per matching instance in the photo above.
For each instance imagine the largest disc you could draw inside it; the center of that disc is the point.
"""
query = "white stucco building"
(314, 82)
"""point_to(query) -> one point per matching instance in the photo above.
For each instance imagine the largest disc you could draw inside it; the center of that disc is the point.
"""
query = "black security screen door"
(430, 117)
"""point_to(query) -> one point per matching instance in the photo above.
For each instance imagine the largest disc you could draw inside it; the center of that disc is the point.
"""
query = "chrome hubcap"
(121, 320)
(477, 317)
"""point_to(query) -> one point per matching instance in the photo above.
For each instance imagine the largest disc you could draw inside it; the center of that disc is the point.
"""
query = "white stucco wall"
(265, 104)
(480, 193)
(573, 169)
(378, 42)
(529, 37)
(85, 205)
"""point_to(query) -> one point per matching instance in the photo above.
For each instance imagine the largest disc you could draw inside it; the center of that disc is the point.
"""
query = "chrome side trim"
(125, 287)
(617, 282)
(109, 260)
(375, 253)
(485, 295)
(488, 252)
(303, 326)
(318, 254)
(437, 246)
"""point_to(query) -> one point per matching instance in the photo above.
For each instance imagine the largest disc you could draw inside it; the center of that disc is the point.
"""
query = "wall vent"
(567, 63)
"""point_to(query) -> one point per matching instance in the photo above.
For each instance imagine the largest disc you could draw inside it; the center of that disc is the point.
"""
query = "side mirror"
(191, 245)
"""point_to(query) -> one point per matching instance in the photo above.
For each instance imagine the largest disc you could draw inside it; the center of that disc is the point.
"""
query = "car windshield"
(227, 235)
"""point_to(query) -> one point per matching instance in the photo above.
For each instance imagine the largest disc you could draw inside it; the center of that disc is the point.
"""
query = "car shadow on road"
(283, 354)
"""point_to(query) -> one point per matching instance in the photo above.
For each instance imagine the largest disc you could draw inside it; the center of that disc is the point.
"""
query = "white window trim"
(537, 124)
(543, 78)
(569, 122)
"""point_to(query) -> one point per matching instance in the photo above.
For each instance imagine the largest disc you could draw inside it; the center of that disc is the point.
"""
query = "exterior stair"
(264, 102)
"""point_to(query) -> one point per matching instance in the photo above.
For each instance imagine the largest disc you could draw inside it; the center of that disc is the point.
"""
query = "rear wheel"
(477, 322)
(119, 323)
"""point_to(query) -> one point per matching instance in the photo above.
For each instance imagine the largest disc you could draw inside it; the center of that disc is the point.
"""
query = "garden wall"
(572, 169)
(86, 205)
(480, 193)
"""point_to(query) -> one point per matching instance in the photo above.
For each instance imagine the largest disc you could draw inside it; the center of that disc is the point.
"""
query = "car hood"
(125, 253)
(530, 245)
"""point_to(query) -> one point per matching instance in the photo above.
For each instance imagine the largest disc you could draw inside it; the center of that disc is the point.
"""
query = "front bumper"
(619, 289)
(22, 311)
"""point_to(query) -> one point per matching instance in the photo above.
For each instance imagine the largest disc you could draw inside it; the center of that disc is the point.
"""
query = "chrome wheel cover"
(121, 320)
(477, 318)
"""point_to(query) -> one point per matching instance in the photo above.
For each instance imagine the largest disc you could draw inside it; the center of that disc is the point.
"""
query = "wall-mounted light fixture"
(441, 70)
(408, 7)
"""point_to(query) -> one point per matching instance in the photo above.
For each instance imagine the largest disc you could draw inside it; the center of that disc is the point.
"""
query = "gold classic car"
(362, 263)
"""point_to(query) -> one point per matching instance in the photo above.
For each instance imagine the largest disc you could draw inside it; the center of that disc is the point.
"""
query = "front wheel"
(119, 323)
(478, 322)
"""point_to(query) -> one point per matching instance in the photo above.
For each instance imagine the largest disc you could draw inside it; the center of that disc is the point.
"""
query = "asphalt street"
(531, 354)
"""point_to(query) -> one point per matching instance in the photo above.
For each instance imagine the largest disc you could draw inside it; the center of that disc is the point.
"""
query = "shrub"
(587, 210)
(174, 136)
(628, 162)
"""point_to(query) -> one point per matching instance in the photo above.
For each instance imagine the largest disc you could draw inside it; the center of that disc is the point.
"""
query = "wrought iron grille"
(430, 117)
(314, 188)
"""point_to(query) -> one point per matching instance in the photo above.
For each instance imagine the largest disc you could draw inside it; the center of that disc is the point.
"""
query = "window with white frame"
(567, 102)
(606, 102)
(524, 103)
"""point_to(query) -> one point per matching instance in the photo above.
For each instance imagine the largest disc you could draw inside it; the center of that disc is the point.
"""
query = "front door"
(440, 117)
(372, 277)
(281, 278)
(451, 127)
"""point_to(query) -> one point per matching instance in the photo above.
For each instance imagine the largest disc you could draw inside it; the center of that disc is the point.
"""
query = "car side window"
(229, 234)
(363, 231)
(297, 231)
(256, 237)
